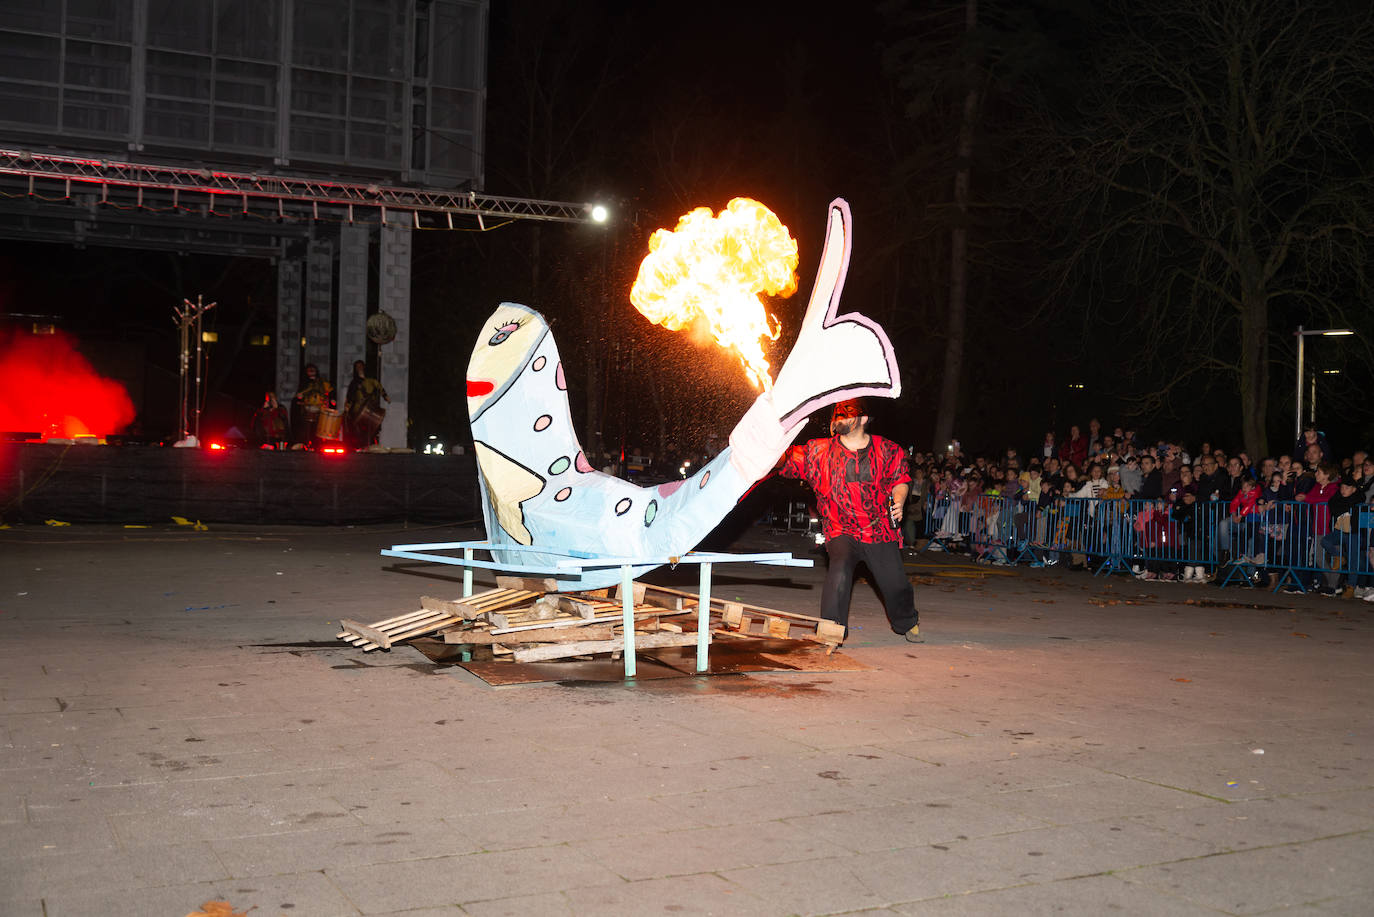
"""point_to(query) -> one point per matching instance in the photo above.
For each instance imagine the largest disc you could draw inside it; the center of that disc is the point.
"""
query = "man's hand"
(895, 511)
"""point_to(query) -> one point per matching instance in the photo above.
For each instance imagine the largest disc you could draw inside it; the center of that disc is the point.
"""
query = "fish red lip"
(479, 387)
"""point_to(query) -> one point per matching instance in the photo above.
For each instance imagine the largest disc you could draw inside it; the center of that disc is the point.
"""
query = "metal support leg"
(704, 619)
(627, 612)
(467, 573)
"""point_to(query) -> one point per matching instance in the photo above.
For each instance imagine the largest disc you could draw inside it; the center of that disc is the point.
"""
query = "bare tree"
(1219, 179)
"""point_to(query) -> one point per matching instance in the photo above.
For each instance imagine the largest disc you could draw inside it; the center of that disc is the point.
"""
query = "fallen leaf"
(1183, 679)
(1296, 634)
(218, 909)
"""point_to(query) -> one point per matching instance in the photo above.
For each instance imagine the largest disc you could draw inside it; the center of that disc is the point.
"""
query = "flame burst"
(714, 269)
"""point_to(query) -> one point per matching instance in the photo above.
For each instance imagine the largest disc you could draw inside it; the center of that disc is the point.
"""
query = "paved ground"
(1061, 745)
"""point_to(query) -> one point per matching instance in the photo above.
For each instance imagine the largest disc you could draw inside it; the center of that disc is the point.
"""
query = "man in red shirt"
(861, 483)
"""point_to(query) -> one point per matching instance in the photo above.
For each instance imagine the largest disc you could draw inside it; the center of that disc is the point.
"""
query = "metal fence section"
(1280, 543)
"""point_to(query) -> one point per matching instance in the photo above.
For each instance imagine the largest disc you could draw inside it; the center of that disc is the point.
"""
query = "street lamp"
(1300, 334)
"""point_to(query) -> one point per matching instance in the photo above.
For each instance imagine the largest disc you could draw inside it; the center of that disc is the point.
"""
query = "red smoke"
(50, 388)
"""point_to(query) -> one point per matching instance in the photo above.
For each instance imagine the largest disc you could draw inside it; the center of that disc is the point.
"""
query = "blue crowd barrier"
(1280, 543)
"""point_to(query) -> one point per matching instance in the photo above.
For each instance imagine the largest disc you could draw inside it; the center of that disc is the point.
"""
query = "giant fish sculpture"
(539, 490)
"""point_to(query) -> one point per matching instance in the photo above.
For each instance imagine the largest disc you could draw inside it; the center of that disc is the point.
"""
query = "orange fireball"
(715, 269)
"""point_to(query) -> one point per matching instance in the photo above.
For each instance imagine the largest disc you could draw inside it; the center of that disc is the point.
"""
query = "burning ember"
(54, 391)
(714, 269)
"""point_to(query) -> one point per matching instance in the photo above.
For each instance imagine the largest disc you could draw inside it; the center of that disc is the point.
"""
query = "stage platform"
(136, 484)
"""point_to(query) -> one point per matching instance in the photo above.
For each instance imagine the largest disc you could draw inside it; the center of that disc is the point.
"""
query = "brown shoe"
(914, 635)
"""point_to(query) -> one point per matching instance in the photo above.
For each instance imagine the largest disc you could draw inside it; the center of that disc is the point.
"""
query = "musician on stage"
(363, 409)
(315, 396)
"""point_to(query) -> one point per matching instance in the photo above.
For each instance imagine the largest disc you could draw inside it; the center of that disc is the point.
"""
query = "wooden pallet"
(433, 615)
(523, 615)
(755, 620)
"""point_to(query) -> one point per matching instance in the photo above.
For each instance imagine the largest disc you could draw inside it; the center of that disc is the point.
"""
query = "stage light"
(599, 213)
(333, 450)
(217, 447)
(209, 337)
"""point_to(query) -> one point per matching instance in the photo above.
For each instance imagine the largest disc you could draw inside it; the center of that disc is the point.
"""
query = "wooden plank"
(638, 591)
(655, 596)
(424, 628)
(592, 647)
(779, 627)
(367, 633)
(546, 635)
(459, 609)
(577, 606)
(733, 615)
(410, 616)
(744, 606)
(830, 632)
(528, 583)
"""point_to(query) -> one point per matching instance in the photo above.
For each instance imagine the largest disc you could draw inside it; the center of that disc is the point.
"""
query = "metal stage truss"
(212, 191)
(82, 200)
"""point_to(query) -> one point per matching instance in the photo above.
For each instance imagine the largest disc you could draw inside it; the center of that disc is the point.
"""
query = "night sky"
(657, 109)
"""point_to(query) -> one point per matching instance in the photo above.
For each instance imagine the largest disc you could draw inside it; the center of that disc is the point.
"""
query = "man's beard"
(844, 427)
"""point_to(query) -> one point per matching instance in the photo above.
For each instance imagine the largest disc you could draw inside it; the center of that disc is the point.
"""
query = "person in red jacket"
(1074, 450)
(861, 483)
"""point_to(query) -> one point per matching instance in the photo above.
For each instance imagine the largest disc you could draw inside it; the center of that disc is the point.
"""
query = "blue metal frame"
(578, 561)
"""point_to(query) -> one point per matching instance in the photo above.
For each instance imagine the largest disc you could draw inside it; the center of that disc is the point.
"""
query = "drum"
(330, 425)
(369, 422)
(309, 419)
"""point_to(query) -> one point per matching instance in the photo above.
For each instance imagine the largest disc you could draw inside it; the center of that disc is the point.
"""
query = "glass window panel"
(29, 57)
(371, 144)
(182, 122)
(97, 66)
(246, 83)
(452, 109)
(455, 45)
(316, 93)
(180, 24)
(26, 16)
(245, 129)
(319, 34)
(452, 152)
(378, 39)
(110, 20)
(95, 113)
(316, 138)
(247, 28)
(27, 106)
(183, 75)
(376, 100)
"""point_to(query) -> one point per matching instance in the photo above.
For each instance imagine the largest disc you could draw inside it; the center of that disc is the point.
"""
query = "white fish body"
(539, 489)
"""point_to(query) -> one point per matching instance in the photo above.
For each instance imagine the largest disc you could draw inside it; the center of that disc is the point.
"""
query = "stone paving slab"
(177, 724)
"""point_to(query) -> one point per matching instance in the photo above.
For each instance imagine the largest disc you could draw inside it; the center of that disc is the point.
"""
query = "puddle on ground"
(1213, 603)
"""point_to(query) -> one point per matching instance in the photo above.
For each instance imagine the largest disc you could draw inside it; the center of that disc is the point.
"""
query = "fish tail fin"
(836, 356)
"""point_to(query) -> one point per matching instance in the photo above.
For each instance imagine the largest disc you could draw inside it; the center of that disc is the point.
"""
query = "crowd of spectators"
(1276, 513)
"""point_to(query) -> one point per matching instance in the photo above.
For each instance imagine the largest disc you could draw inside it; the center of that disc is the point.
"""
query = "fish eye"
(503, 332)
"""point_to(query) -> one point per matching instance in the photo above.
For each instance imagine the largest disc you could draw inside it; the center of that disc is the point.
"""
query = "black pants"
(885, 563)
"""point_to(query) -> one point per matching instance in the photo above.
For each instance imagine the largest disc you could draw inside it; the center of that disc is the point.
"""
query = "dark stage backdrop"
(147, 484)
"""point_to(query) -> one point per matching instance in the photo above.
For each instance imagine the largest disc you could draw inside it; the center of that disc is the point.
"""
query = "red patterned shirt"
(851, 487)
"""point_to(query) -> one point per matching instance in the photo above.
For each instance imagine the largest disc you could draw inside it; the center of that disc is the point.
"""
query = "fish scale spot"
(563, 494)
(623, 506)
(582, 464)
(560, 465)
(559, 379)
(542, 423)
(704, 478)
(539, 363)
(650, 512)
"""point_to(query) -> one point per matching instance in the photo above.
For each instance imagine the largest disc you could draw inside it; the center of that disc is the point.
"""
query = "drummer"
(363, 408)
(315, 396)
